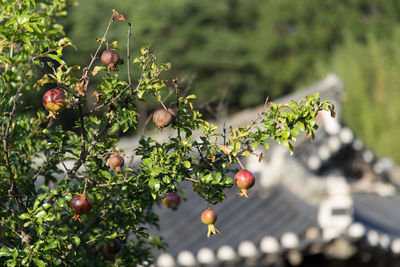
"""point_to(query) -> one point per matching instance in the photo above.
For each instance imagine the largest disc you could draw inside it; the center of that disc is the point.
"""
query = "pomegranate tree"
(33, 228)
(54, 101)
(163, 118)
(115, 162)
(244, 180)
(110, 59)
(80, 204)
(172, 200)
(209, 217)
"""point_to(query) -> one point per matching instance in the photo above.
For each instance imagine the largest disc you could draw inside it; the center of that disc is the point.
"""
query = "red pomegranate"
(110, 58)
(209, 217)
(244, 180)
(54, 101)
(172, 200)
(80, 204)
(163, 118)
(115, 162)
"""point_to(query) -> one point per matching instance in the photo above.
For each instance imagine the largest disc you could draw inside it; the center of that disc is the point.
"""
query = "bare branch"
(128, 56)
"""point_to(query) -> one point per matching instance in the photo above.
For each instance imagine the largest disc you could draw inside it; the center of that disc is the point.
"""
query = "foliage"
(242, 51)
(36, 227)
(370, 76)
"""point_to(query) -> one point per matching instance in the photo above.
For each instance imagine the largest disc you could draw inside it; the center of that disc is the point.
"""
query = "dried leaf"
(81, 87)
(333, 113)
(225, 149)
(260, 157)
(121, 17)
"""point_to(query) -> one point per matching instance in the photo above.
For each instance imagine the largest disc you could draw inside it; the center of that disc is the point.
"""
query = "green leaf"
(24, 216)
(266, 145)
(41, 214)
(56, 58)
(285, 135)
(148, 162)
(246, 153)
(4, 251)
(106, 174)
(39, 262)
(76, 240)
(154, 184)
(190, 97)
(295, 131)
(228, 180)
(300, 125)
(144, 50)
(186, 164)
(254, 145)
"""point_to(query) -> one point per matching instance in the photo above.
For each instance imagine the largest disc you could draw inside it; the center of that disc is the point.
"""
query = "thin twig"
(97, 108)
(45, 165)
(178, 106)
(87, 69)
(192, 180)
(49, 51)
(128, 56)
(5, 132)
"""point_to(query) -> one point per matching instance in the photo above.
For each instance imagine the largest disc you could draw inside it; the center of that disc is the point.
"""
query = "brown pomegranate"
(163, 118)
(80, 204)
(115, 162)
(244, 180)
(110, 59)
(209, 217)
(172, 200)
(54, 101)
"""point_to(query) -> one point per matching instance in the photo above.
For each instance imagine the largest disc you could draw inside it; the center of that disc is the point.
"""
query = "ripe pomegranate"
(244, 180)
(163, 118)
(110, 58)
(115, 162)
(209, 217)
(172, 200)
(80, 204)
(54, 100)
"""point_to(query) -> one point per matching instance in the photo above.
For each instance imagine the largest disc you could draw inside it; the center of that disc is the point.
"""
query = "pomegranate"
(54, 101)
(80, 204)
(110, 58)
(115, 162)
(163, 118)
(209, 217)
(172, 200)
(244, 180)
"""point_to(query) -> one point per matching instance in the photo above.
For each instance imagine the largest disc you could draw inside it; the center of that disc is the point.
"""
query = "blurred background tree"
(240, 52)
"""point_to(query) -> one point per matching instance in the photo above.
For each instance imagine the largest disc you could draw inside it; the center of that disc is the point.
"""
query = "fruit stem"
(162, 104)
(241, 165)
(84, 188)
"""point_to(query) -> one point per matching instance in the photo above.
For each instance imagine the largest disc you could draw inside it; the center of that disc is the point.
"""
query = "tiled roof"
(239, 219)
